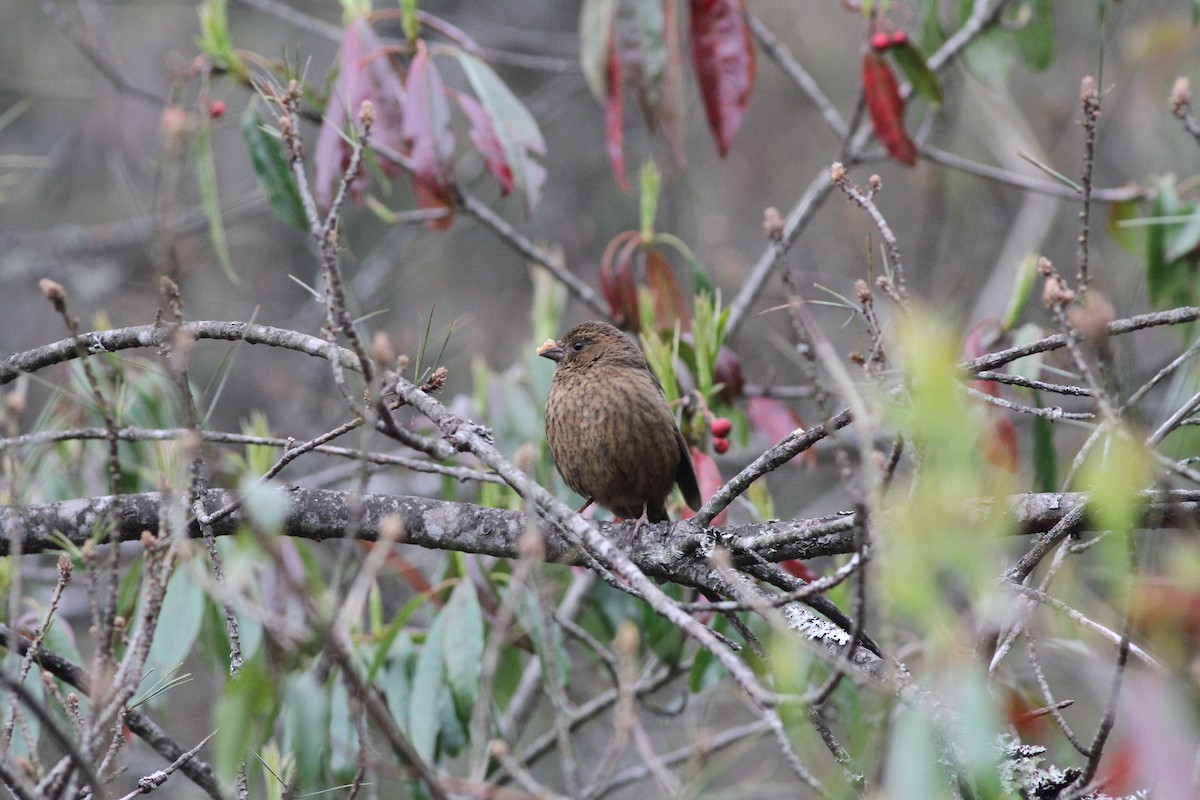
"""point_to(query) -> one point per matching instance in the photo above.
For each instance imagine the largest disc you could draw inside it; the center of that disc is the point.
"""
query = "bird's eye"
(577, 346)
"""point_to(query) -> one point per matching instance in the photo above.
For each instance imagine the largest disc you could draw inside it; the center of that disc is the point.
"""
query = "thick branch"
(659, 549)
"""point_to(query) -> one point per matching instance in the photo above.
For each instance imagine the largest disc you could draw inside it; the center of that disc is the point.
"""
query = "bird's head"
(590, 342)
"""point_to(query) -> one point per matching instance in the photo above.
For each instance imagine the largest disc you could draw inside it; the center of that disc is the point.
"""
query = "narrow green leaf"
(1045, 461)
(651, 182)
(343, 735)
(547, 639)
(1115, 471)
(1023, 281)
(1130, 238)
(463, 650)
(306, 727)
(990, 56)
(244, 715)
(408, 20)
(932, 33)
(428, 686)
(271, 168)
(215, 40)
(1035, 41)
(181, 617)
(210, 201)
(1158, 267)
(595, 26)
(1184, 237)
(1031, 366)
(924, 80)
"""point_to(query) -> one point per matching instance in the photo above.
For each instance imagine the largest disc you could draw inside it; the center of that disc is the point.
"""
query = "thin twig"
(1089, 98)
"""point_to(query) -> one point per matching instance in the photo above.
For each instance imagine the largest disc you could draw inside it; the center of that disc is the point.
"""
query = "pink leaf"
(775, 421)
(614, 116)
(427, 132)
(366, 74)
(708, 477)
(483, 135)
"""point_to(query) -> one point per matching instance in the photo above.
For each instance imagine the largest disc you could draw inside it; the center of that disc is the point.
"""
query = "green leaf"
(463, 650)
(547, 638)
(651, 181)
(1023, 280)
(1045, 461)
(990, 57)
(396, 677)
(179, 624)
(343, 735)
(932, 34)
(428, 686)
(1031, 366)
(271, 168)
(210, 201)
(215, 40)
(595, 26)
(244, 716)
(912, 759)
(912, 63)
(266, 504)
(1166, 203)
(408, 20)
(1114, 472)
(706, 670)
(1182, 238)
(1130, 238)
(516, 128)
(306, 726)
(1035, 41)
(1171, 265)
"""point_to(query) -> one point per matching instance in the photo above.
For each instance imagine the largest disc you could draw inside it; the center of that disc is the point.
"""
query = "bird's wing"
(685, 475)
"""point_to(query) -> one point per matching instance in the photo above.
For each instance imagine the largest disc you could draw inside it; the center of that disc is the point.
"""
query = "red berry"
(721, 445)
(899, 39)
(216, 109)
(880, 41)
(721, 426)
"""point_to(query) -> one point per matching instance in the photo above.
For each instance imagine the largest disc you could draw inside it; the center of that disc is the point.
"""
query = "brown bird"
(611, 433)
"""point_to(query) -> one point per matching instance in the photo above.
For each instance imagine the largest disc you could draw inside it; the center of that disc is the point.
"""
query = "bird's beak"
(552, 350)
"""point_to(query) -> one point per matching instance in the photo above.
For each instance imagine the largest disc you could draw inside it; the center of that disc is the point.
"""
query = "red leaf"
(514, 126)
(886, 108)
(798, 569)
(428, 134)
(977, 343)
(1118, 768)
(728, 373)
(614, 116)
(999, 443)
(483, 135)
(723, 56)
(616, 280)
(366, 74)
(708, 477)
(1018, 713)
(775, 421)
(669, 302)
